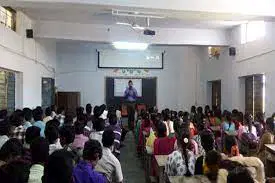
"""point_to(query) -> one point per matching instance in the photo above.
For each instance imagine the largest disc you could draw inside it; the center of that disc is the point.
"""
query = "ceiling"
(96, 14)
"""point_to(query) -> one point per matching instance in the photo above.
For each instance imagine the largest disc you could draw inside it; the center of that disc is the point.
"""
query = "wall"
(32, 59)
(176, 83)
(256, 57)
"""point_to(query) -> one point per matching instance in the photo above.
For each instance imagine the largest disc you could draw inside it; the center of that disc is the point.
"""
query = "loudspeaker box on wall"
(29, 33)
(232, 51)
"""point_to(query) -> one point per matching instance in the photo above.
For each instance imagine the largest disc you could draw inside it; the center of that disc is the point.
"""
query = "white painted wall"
(176, 83)
(252, 58)
(31, 59)
(109, 33)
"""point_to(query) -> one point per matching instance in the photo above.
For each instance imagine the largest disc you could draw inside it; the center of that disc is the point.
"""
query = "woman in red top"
(163, 145)
(144, 129)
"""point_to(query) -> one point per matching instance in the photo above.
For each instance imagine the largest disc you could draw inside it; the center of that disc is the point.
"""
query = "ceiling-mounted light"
(130, 46)
(126, 13)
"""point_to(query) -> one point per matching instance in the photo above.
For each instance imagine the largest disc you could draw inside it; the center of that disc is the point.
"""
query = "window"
(7, 90)
(8, 17)
(252, 31)
(216, 93)
(255, 94)
(48, 92)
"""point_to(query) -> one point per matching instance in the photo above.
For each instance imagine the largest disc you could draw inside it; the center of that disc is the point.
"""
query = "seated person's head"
(228, 116)
(59, 167)
(48, 111)
(161, 130)
(99, 124)
(53, 122)
(79, 111)
(88, 108)
(234, 114)
(12, 149)
(82, 118)
(53, 108)
(40, 109)
(199, 110)
(60, 110)
(69, 118)
(270, 124)
(218, 113)
(37, 114)
(173, 115)
(185, 116)
(39, 150)
(108, 138)
(16, 171)
(240, 117)
(32, 133)
(167, 115)
(180, 114)
(3, 114)
(230, 141)
(201, 126)
(183, 136)
(4, 127)
(193, 109)
(79, 128)
(67, 135)
(146, 120)
(112, 118)
(212, 162)
(239, 174)
(17, 118)
(207, 140)
(27, 114)
(92, 151)
(51, 134)
(142, 112)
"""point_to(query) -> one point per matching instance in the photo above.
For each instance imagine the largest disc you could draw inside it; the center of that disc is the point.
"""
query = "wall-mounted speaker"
(232, 51)
(29, 33)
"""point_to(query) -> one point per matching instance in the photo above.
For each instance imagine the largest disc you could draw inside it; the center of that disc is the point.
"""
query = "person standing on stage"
(130, 95)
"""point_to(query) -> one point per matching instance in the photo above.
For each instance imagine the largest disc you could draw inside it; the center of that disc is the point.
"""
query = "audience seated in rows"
(86, 147)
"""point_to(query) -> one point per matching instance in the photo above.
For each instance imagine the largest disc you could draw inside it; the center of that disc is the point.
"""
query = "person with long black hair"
(182, 161)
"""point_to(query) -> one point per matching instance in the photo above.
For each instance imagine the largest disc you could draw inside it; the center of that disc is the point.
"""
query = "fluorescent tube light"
(130, 46)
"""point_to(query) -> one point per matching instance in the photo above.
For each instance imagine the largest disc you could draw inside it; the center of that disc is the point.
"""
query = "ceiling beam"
(102, 33)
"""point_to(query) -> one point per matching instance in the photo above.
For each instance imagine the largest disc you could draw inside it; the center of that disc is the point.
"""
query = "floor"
(133, 171)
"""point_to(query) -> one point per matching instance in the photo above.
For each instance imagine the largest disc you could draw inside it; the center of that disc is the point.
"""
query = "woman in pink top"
(80, 139)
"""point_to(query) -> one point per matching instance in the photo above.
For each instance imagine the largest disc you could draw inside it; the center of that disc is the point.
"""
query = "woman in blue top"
(228, 126)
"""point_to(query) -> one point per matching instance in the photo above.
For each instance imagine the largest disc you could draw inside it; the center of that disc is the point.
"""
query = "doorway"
(69, 100)
(216, 94)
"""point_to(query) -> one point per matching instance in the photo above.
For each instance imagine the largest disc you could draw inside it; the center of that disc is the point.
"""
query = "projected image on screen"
(121, 84)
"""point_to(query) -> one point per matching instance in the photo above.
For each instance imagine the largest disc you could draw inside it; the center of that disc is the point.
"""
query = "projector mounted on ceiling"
(146, 30)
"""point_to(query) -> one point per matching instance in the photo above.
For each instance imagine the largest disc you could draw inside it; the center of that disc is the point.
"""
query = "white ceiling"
(94, 14)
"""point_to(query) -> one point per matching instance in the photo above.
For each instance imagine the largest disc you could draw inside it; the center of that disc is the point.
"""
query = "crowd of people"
(210, 142)
(56, 146)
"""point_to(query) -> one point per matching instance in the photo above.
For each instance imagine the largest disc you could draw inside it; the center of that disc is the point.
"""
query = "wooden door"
(69, 100)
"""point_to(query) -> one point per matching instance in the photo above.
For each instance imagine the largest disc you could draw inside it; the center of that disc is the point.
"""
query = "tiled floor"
(131, 165)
